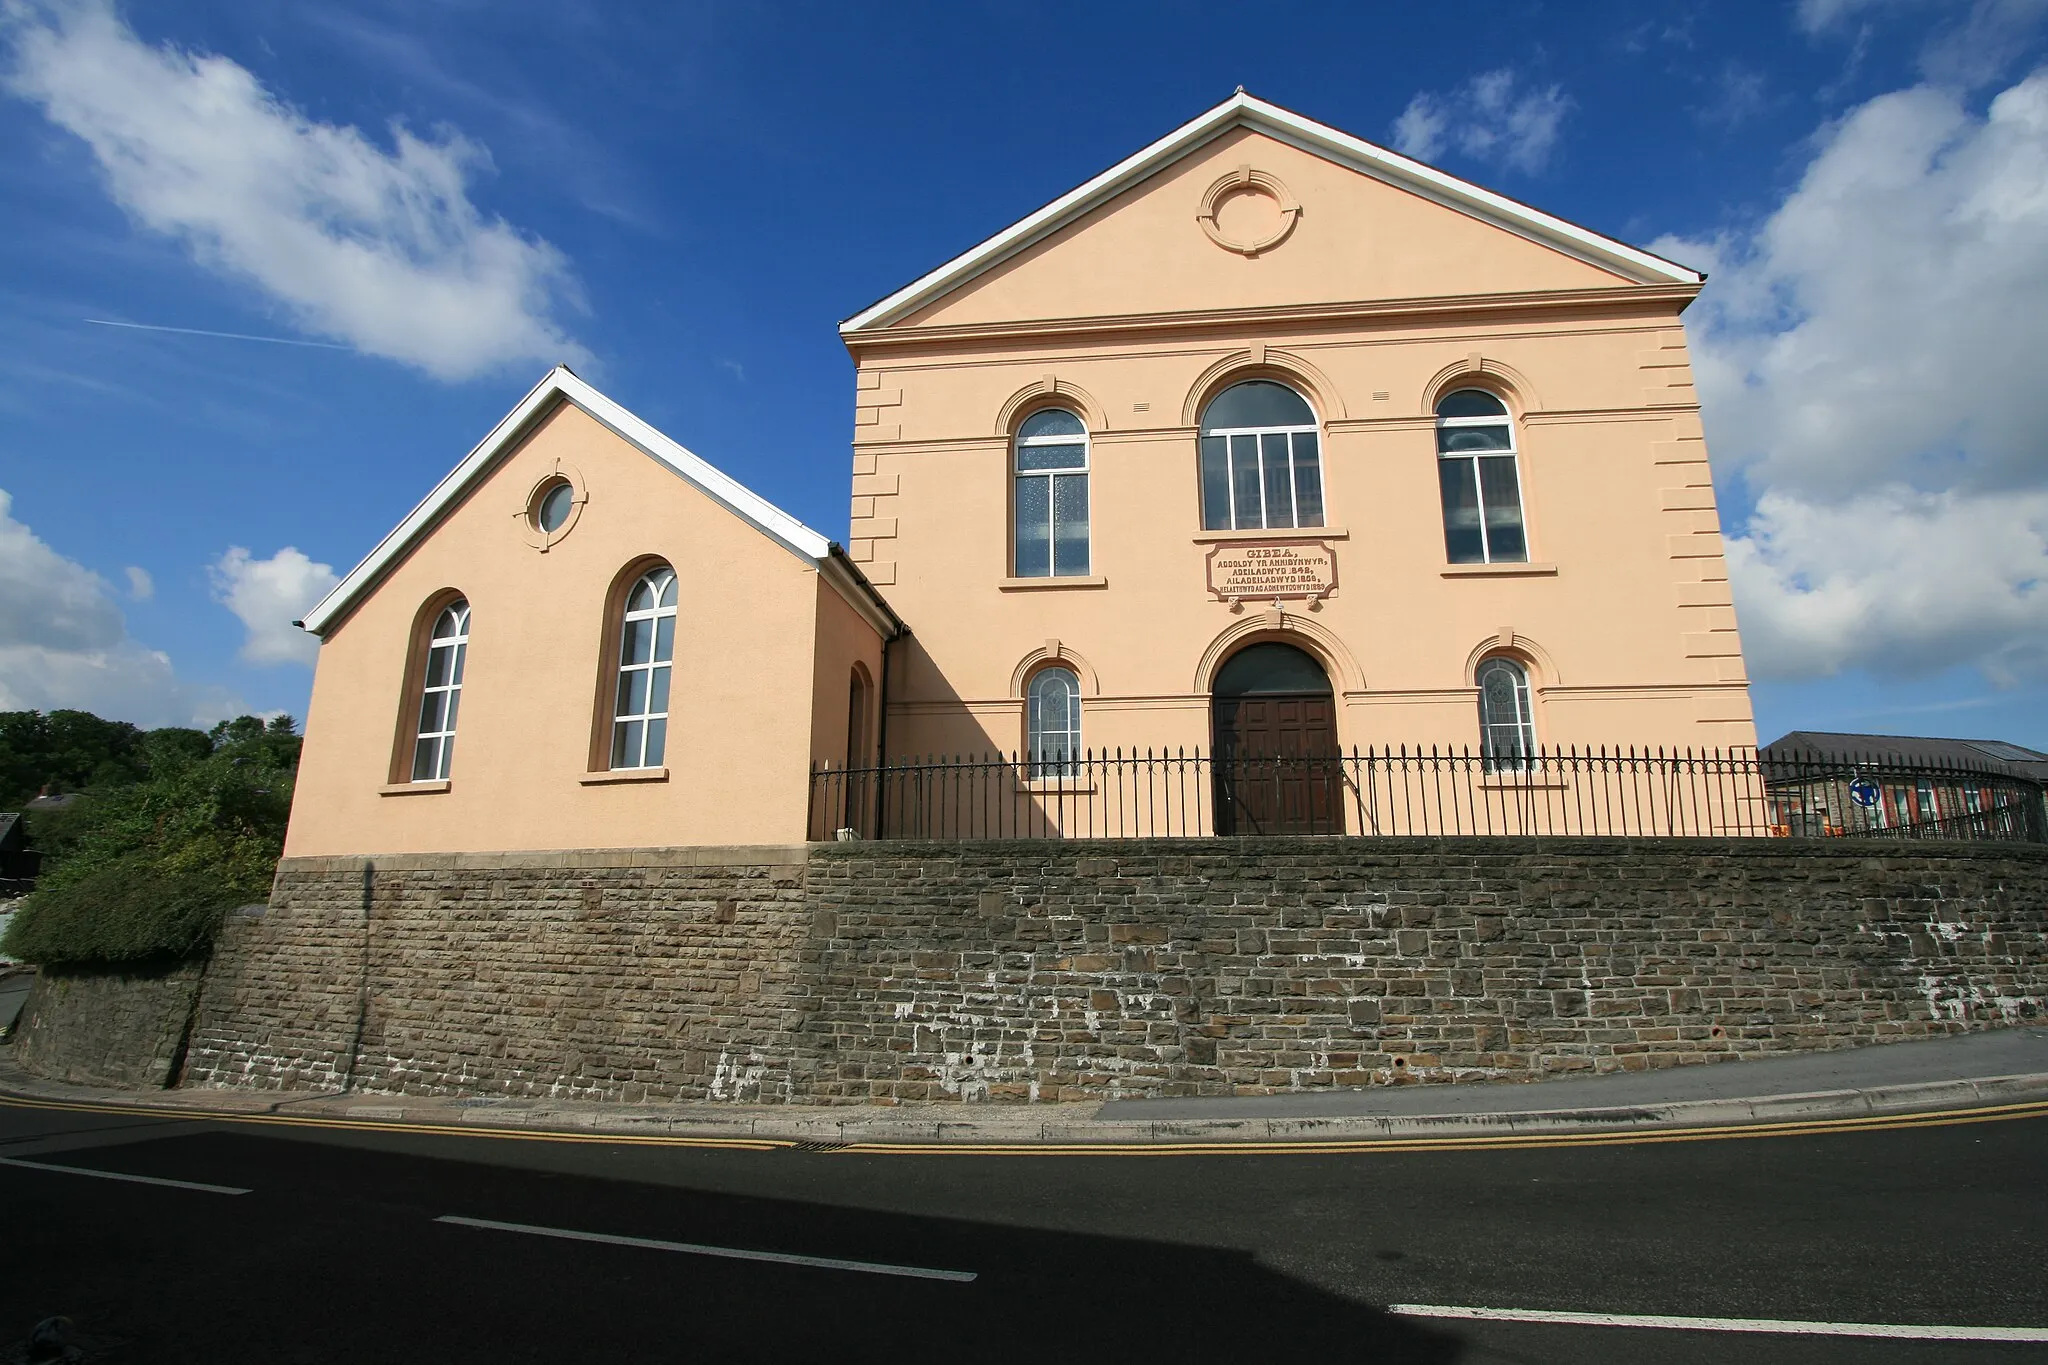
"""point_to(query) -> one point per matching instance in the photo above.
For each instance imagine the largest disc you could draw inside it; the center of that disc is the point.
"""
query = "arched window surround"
(422, 676)
(1051, 470)
(1508, 741)
(1052, 723)
(605, 699)
(1480, 477)
(1262, 468)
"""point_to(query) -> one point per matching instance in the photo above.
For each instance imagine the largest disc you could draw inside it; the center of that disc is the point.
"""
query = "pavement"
(1989, 1070)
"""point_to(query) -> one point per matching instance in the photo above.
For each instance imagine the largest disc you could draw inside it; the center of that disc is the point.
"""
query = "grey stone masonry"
(1024, 971)
(859, 972)
(100, 1026)
(620, 974)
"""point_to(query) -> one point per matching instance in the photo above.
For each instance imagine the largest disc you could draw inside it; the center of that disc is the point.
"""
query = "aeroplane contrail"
(230, 336)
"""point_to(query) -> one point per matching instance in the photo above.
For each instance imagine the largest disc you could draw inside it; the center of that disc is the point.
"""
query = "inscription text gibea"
(1267, 570)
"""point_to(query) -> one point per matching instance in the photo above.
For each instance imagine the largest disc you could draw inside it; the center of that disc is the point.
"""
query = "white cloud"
(141, 586)
(63, 643)
(1897, 580)
(1866, 361)
(381, 249)
(1489, 118)
(268, 595)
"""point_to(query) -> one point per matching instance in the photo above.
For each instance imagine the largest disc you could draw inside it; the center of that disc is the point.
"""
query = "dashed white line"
(118, 1175)
(1782, 1327)
(729, 1253)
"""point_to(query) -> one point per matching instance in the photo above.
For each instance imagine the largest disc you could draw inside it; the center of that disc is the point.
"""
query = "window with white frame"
(1507, 728)
(1053, 722)
(433, 749)
(1261, 459)
(1051, 496)
(1482, 490)
(647, 643)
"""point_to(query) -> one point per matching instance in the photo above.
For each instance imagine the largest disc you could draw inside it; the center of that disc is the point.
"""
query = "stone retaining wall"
(1014, 971)
(94, 1026)
(1069, 971)
(664, 973)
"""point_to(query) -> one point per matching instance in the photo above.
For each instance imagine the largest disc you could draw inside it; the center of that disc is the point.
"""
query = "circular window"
(552, 508)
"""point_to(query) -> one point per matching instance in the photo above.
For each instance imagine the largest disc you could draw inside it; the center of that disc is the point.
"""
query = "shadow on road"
(335, 1257)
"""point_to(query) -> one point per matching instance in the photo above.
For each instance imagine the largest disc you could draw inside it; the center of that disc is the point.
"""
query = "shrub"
(120, 913)
(144, 870)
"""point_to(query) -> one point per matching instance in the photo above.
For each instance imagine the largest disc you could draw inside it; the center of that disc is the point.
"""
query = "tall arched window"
(433, 747)
(1261, 459)
(647, 644)
(1051, 473)
(1475, 464)
(1053, 719)
(1507, 728)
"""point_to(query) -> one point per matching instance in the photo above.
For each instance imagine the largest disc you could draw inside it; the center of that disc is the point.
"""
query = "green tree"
(66, 751)
(146, 868)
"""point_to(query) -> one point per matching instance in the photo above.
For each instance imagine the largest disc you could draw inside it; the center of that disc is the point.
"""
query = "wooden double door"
(1277, 764)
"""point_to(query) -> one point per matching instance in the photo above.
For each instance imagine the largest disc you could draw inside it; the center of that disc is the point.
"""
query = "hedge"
(124, 913)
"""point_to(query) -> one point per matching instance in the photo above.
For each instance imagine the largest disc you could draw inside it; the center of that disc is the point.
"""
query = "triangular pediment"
(1190, 223)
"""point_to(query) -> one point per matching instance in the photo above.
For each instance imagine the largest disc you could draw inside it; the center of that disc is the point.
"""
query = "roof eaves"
(561, 384)
(1310, 136)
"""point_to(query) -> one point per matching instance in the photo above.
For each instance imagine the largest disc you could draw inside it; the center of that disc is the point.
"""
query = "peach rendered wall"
(1623, 616)
(739, 742)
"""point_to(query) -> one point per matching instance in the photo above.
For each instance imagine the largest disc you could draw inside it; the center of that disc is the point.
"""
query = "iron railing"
(1118, 794)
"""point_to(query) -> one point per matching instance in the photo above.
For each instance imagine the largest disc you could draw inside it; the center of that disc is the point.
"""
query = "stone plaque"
(1271, 570)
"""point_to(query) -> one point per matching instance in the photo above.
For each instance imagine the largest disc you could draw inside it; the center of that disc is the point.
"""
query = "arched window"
(1053, 719)
(1475, 464)
(1051, 499)
(1261, 461)
(433, 747)
(647, 644)
(1507, 728)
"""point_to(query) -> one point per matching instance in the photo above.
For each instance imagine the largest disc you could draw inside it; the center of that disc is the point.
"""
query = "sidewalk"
(2001, 1067)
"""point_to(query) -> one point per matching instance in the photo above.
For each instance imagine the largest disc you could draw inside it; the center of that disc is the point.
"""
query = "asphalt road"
(338, 1252)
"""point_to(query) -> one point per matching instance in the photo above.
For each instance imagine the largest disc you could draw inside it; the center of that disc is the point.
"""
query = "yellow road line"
(1271, 1147)
(1476, 1142)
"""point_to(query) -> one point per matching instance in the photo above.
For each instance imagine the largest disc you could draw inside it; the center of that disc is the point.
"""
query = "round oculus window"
(551, 510)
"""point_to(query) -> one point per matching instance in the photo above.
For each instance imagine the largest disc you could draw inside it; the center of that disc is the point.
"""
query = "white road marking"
(117, 1175)
(730, 1253)
(1906, 1331)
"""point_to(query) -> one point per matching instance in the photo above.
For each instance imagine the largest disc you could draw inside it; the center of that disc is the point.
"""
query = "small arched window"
(1507, 728)
(433, 748)
(1051, 496)
(1475, 464)
(1261, 459)
(1053, 721)
(647, 644)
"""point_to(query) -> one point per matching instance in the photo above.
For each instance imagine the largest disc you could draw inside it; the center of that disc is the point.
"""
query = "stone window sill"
(617, 776)
(1500, 571)
(1041, 584)
(1056, 786)
(1274, 533)
(413, 788)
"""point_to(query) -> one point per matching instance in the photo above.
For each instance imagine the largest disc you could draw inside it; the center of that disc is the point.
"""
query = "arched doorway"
(1274, 729)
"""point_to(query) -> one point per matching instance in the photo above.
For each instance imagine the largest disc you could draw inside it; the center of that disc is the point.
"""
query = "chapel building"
(1265, 441)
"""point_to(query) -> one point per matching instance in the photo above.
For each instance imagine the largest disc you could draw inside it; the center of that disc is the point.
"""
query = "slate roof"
(1995, 754)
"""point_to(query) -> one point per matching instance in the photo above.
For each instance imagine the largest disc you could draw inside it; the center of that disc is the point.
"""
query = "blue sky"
(440, 199)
